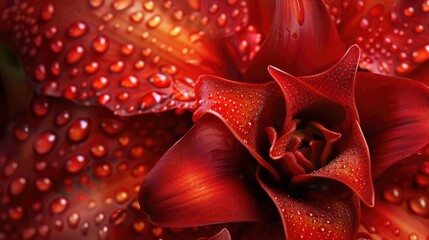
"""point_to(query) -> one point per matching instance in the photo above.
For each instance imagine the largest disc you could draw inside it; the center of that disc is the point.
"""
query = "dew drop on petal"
(58, 205)
(44, 142)
(79, 130)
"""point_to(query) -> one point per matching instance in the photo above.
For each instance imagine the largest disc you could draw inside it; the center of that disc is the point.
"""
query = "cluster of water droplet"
(77, 171)
(131, 56)
(392, 35)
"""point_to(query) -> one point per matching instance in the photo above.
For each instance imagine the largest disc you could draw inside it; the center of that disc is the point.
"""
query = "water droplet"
(413, 236)
(17, 186)
(16, 212)
(103, 233)
(70, 92)
(62, 118)
(40, 72)
(139, 226)
(121, 196)
(44, 142)
(40, 106)
(77, 29)
(393, 195)
(73, 219)
(222, 19)
(79, 130)
(44, 230)
(100, 44)
(154, 21)
(43, 184)
(419, 206)
(175, 31)
(409, 11)
(103, 170)
(421, 180)
(127, 49)
(76, 163)
(402, 68)
(91, 68)
(59, 205)
(117, 67)
(137, 17)
(149, 100)
(100, 83)
(364, 23)
(130, 81)
(95, 3)
(148, 5)
(137, 151)
(120, 5)
(99, 150)
(195, 4)
(84, 228)
(111, 126)
(75, 54)
(139, 65)
(421, 54)
(99, 218)
(47, 12)
(22, 132)
(159, 80)
(118, 216)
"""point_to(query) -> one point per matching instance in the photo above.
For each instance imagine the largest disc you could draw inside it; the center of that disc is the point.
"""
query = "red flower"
(74, 171)
(308, 140)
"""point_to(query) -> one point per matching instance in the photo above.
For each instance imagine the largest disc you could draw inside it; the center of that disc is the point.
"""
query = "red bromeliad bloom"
(308, 140)
(315, 143)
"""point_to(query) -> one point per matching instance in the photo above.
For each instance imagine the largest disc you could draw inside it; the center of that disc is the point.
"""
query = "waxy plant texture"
(221, 119)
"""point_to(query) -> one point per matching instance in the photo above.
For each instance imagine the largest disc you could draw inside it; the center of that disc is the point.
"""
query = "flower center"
(309, 148)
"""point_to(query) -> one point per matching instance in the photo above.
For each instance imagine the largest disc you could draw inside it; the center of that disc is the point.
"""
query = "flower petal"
(222, 235)
(315, 217)
(302, 40)
(352, 167)
(198, 176)
(133, 58)
(69, 171)
(392, 34)
(394, 124)
(402, 206)
(338, 82)
(246, 109)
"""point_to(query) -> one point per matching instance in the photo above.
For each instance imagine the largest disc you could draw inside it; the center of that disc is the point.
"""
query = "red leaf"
(302, 40)
(53, 188)
(131, 57)
(319, 216)
(395, 123)
(402, 204)
(392, 34)
(198, 176)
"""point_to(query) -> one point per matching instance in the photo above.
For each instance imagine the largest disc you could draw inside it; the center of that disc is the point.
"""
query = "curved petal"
(402, 206)
(352, 167)
(394, 124)
(222, 235)
(246, 109)
(392, 34)
(302, 40)
(198, 176)
(310, 103)
(321, 216)
(338, 82)
(129, 56)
